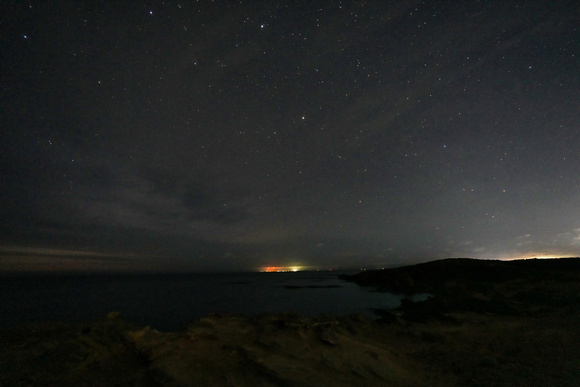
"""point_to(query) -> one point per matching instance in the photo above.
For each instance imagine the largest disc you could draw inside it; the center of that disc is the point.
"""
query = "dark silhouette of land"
(488, 323)
(518, 288)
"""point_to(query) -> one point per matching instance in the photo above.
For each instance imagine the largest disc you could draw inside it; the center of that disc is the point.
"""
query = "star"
(414, 126)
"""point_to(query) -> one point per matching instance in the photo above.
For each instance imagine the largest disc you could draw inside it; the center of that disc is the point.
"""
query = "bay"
(170, 301)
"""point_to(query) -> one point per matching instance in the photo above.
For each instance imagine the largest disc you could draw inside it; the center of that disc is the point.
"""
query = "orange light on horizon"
(537, 256)
(280, 269)
(540, 257)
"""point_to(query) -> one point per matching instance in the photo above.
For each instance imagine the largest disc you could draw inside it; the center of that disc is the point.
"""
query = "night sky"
(234, 135)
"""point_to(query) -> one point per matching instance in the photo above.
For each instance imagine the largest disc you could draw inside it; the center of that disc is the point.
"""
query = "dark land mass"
(517, 288)
(311, 286)
(489, 323)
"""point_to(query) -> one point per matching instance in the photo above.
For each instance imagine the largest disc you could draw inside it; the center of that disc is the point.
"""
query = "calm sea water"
(170, 302)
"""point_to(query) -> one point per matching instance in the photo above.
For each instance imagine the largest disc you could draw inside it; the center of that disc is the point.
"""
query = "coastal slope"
(486, 323)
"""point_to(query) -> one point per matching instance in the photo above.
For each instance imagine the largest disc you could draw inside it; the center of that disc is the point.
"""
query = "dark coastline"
(434, 275)
(514, 288)
(500, 323)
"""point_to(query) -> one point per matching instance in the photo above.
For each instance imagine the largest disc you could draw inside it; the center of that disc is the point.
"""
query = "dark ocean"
(170, 302)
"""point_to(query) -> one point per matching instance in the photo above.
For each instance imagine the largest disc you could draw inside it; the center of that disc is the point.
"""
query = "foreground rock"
(59, 354)
(274, 350)
(267, 350)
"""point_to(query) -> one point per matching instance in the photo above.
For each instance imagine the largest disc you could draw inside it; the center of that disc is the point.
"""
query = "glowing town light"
(280, 269)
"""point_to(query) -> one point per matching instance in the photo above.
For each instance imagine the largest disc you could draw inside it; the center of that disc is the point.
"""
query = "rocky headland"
(489, 323)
